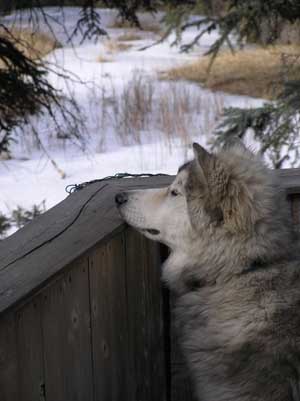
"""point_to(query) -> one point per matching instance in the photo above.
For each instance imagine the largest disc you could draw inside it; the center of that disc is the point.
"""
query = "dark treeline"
(10, 5)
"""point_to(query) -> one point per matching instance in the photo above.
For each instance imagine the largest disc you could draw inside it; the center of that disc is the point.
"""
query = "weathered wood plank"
(146, 333)
(178, 381)
(155, 319)
(181, 386)
(57, 219)
(295, 210)
(9, 379)
(111, 357)
(67, 337)
(31, 352)
(44, 227)
(58, 239)
(290, 179)
(164, 253)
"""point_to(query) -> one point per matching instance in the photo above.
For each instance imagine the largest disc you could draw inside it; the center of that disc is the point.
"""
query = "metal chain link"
(77, 187)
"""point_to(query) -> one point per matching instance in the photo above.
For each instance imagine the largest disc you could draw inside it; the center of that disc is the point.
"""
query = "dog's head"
(159, 214)
(221, 191)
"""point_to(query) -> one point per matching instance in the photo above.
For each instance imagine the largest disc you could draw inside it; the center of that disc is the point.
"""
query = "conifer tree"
(275, 125)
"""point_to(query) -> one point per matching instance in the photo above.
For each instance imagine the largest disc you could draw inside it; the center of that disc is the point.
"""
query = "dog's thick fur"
(233, 267)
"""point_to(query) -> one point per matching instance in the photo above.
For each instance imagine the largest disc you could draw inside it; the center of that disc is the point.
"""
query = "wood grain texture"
(290, 179)
(145, 311)
(67, 337)
(111, 357)
(31, 352)
(9, 375)
(295, 210)
(43, 248)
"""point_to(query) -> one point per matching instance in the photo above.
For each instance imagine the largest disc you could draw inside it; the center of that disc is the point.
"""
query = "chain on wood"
(76, 187)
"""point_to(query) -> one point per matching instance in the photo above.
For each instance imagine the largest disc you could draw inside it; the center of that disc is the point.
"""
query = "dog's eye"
(174, 192)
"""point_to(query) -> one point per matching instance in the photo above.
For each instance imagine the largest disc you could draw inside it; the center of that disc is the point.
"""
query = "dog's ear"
(202, 156)
(203, 160)
(238, 209)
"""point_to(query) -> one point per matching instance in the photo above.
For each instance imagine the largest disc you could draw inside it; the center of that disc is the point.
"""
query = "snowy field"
(120, 134)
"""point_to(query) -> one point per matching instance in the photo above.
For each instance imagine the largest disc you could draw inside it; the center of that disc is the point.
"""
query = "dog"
(235, 272)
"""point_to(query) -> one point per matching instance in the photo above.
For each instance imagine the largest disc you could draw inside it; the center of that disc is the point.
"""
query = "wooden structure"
(83, 315)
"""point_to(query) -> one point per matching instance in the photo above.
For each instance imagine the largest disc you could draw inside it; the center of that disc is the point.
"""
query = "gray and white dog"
(232, 264)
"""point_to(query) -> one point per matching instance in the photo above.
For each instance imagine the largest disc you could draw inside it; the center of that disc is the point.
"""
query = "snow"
(29, 178)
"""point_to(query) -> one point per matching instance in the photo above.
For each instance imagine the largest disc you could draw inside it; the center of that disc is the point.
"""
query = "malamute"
(232, 265)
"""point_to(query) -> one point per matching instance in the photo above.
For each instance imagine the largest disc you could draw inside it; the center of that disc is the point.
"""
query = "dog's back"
(242, 338)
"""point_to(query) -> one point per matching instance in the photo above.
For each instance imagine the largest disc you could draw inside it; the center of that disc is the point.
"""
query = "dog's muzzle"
(121, 198)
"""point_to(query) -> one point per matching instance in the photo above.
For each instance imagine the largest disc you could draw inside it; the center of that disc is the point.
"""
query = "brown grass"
(122, 24)
(103, 59)
(255, 72)
(147, 26)
(129, 37)
(33, 44)
(113, 46)
(169, 111)
(152, 27)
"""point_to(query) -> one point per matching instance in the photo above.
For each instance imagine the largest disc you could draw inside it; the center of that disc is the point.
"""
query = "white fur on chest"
(174, 267)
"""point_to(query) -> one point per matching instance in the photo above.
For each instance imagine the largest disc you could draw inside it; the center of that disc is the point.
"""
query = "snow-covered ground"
(115, 140)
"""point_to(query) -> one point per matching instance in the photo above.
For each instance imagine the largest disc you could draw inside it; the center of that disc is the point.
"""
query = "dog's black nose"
(121, 198)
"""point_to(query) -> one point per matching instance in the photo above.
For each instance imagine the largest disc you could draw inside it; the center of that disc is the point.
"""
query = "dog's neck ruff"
(260, 264)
